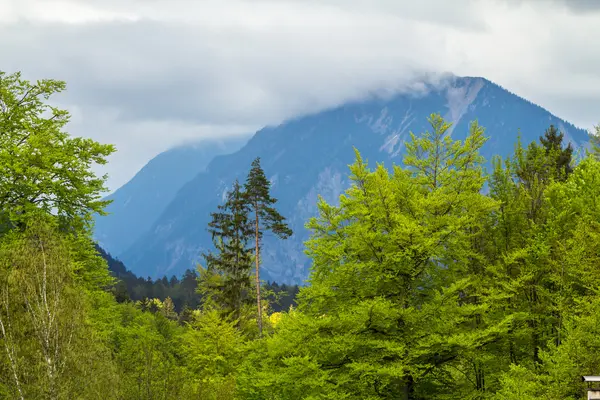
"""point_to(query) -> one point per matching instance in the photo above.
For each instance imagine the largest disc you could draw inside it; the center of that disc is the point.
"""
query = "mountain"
(309, 156)
(138, 203)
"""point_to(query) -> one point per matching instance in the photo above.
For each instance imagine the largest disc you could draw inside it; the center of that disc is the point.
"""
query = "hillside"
(138, 203)
(308, 156)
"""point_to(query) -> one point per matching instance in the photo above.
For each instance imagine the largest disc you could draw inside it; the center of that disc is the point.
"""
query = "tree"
(168, 309)
(41, 166)
(212, 347)
(395, 307)
(555, 275)
(561, 158)
(266, 218)
(595, 142)
(43, 311)
(527, 251)
(148, 354)
(226, 281)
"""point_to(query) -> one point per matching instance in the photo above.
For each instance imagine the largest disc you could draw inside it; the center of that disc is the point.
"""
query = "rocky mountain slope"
(138, 203)
(309, 156)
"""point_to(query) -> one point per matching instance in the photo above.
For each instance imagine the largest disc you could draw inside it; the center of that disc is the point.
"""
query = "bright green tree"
(148, 354)
(391, 311)
(43, 317)
(41, 166)
(50, 270)
(566, 309)
(527, 255)
(212, 347)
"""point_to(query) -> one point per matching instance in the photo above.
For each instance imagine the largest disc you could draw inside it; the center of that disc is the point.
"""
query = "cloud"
(139, 140)
(147, 74)
(577, 6)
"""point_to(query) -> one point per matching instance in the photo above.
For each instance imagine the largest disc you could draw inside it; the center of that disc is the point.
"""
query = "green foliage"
(146, 346)
(422, 286)
(40, 165)
(560, 158)
(49, 271)
(266, 218)
(595, 142)
(377, 277)
(257, 192)
(62, 333)
(226, 282)
(43, 325)
(129, 287)
(212, 350)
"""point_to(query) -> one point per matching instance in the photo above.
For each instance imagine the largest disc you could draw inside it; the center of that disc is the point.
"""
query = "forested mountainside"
(138, 203)
(308, 156)
(182, 291)
(422, 286)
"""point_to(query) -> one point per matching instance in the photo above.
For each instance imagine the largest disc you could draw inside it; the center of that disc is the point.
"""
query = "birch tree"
(41, 309)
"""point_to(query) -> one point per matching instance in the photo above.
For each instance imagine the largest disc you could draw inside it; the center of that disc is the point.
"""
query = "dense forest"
(433, 279)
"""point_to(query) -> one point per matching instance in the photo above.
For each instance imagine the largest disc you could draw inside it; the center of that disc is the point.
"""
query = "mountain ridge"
(308, 155)
(136, 204)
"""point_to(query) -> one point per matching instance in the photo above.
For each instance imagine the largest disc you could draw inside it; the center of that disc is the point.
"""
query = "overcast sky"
(148, 74)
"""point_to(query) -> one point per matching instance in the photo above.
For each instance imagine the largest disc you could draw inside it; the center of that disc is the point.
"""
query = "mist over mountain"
(306, 157)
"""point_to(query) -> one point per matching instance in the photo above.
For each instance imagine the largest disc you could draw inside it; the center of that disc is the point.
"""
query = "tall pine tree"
(266, 218)
(226, 282)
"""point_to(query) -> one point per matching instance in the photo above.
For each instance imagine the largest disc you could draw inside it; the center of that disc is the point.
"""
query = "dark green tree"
(595, 142)
(266, 218)
(226, 281)
(560, 158)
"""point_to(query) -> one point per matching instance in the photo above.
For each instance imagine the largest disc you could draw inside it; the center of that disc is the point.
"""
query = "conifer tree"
(595, 142)
(561, 158)
(266, 218)
(226, 282)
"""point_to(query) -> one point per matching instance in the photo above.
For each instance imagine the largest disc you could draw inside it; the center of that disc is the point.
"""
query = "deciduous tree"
(41, 166)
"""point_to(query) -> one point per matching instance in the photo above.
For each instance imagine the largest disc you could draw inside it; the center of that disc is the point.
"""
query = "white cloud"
(63, 11)
(147, 74)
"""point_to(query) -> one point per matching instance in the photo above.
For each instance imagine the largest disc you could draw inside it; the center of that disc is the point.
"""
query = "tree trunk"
(11, 356)
(257, 260)
(409, 388)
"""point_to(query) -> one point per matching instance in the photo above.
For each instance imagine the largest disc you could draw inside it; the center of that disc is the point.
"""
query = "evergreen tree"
(560, 158)
(266, 218)
(226, 283)
(595, 142)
